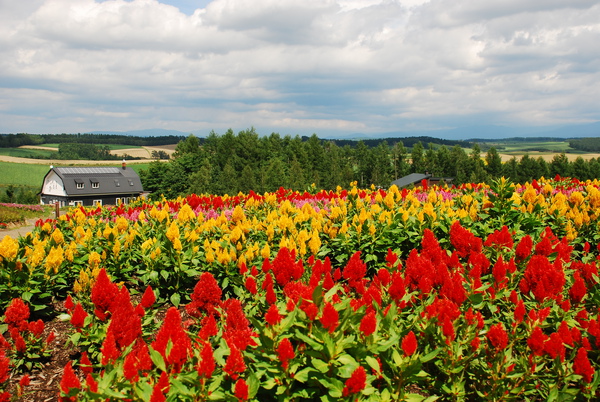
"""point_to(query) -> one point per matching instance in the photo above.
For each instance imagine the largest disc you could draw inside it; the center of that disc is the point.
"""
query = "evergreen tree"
(493, 163)
(417, 158)
(560, 165)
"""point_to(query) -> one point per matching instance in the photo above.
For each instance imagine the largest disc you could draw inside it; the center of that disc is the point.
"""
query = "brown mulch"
(45, 382)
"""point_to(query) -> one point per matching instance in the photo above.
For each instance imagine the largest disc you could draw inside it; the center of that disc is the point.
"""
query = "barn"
(90, 186)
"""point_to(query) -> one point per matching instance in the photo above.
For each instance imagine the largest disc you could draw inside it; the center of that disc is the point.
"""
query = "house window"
(131, 182)
(98, 202)
(80, 186)
(78, 203)
(117, 184)
(118, 201)
(96, 185)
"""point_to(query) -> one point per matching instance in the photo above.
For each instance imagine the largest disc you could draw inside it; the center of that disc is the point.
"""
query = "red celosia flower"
(565, 333)
(209, 327)
(172, 331)
(409, 344)
(500, 239)
(554, 346)
(464, 241)
(582, 365)
(397, 289)
(285, 351)
(354, 272)
(85, 364)
(24, 381)
(157, 394)
(267, 285)
(285, 268)
(125, 323)
(16, 336)
(536, 341)
(104, 292)
(475, 344)
(356, 383)
(69, 305)
(524, 248)
(544, 247)
(16, 314)
(237, 327)
(519, 311)
(383, 276)
(137, 360)
(234, 365)
(310, 309)
(578, 290)
(542, 278)
(36, 328)
(78, 317)
(391, 258)
(69, 379)
(499, 272)
(109, 348)
(368, 324)
(50, 338)
(206, 366)
(148, 298)
(91, 383)
(206, 296)
(272, 316)
(251, 285)
(241, 390)
(497, 337)
(330, 318)
(4, 366)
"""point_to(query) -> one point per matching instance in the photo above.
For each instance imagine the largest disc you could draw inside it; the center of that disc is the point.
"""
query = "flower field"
(476, 292)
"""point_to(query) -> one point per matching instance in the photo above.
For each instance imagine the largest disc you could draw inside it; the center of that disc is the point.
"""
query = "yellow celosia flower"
(57, 236)
(94, 259)
(9, 248)
(238, 214)
(186, 214)
(54, 259)
(173, 236)
(122, 224)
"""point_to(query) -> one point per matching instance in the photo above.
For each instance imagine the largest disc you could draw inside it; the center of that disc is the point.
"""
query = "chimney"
(123, 165)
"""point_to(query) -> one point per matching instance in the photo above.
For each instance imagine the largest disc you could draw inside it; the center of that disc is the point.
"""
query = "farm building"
(416, 179)
(90, 186)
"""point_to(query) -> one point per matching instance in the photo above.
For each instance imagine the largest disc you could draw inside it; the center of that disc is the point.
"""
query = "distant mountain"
(151, 132)
(491, 132)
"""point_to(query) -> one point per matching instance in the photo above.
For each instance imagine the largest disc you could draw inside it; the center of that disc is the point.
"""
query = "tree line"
(17, 140)
(229, 163)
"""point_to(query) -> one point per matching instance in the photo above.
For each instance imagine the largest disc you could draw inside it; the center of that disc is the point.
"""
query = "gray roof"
(410, 179)
(107, 180)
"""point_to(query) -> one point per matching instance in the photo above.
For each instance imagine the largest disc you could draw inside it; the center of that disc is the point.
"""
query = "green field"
(28, 153)
(521, 147)
(110, 146)
(31, 175)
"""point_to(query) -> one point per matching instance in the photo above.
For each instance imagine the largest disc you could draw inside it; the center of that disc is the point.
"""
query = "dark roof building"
(90, 185)
(416, 179)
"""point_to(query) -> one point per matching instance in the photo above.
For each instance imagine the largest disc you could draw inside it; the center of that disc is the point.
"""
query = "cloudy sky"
(330, 67)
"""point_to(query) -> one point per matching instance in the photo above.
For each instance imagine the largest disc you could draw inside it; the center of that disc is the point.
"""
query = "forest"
(18, 140)
(229, 163)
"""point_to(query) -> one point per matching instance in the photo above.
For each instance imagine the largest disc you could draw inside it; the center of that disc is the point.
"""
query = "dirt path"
(19, 231)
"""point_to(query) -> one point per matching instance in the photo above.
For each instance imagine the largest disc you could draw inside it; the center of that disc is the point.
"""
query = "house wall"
(53, 185)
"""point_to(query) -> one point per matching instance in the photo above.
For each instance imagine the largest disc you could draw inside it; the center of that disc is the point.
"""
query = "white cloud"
(325, 66)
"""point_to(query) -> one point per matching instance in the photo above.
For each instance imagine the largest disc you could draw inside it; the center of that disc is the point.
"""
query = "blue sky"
(330, 67)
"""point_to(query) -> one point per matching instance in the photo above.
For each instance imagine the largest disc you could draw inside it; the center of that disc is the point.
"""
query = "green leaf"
(26, 296)
(304, 374)
(320, 365)
(175, 299)
(157, 359)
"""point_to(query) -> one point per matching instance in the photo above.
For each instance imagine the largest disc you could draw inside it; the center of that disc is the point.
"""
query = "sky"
(330, 67)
